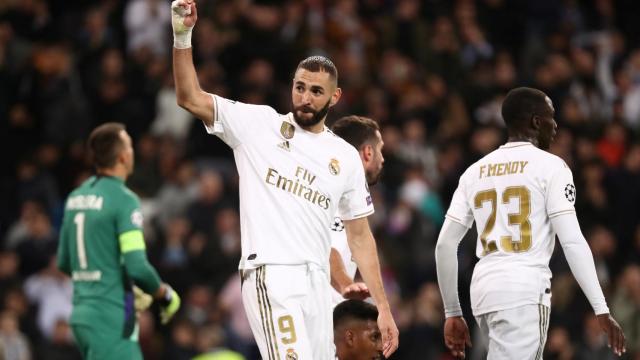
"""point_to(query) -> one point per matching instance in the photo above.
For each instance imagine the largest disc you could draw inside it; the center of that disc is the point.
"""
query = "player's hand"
(141, 300)
(355, 291)
(169, 304)
(389, 331)
(184, 15)
(614, 332)
(456, 336)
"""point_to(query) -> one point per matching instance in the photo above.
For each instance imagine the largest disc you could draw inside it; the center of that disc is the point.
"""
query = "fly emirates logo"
(299, 186)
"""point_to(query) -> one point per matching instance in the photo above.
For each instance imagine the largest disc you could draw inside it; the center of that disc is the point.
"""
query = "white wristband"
(182, 41)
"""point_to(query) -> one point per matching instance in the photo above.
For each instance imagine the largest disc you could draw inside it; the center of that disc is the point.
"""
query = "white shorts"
(517, 333)
(289, 310)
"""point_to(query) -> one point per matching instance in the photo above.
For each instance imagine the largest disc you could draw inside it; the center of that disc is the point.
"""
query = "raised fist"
(183, 16)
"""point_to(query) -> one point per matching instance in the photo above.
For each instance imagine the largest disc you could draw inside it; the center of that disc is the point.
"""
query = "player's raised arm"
(363, 248)
(190, 96)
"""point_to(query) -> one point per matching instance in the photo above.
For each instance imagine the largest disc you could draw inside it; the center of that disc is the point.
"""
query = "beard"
(315, 119)
(373, 177)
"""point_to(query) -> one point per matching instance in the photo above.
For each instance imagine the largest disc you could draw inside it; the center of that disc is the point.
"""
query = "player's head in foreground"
(355, 331)
(363, 134)
(111, 150)
(314, 90)
(528, 114)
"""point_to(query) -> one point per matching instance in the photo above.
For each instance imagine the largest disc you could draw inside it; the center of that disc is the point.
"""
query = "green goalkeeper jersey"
(102, 249)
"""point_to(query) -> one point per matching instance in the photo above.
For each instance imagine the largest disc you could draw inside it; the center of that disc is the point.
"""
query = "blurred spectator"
(239, 336)
(36, 184)
(19, 230)
(183, 341)
(626, 306)
(209, 344)
(14, 343)
(147, 23)
(53, 92)
(61, 345)
(9, 264)
(176, 193)
(203, 210)
(146, 179)
(170, 119)
(559, 346)
(603, 246)
(51, 291)
(37, 246)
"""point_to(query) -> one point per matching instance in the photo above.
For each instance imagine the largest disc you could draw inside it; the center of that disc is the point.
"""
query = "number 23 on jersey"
(521, 218)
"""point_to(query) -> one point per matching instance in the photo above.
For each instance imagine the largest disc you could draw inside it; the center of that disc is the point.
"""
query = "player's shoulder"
(341, 147)
(547, 162)
(338, 142)
(265, 109)
(128, 194)
(118, 191)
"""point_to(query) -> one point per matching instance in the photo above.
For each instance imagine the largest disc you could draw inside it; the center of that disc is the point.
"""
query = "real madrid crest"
(287, 130)
(334, 167)
(292, 354)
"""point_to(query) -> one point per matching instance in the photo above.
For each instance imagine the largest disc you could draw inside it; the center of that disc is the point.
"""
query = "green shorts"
(99, 343)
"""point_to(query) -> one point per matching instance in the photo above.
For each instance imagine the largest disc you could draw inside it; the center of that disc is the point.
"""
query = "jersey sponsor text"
(294, 187)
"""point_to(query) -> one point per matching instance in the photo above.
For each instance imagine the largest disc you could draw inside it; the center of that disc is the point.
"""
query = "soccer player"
(520, 197)
(295, 175)
(355, 331)
(103, 250)
(364, 135)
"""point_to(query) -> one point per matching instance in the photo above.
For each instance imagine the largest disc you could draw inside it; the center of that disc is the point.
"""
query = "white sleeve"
(580, 259)
(234, 122)
(355, 201)
(459, 210)
(561, 193)
(449, 239)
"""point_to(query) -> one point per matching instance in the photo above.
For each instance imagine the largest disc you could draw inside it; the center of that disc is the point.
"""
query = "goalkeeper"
(103, 250)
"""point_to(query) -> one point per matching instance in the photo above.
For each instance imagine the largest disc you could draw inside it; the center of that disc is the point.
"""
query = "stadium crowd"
(432, 73)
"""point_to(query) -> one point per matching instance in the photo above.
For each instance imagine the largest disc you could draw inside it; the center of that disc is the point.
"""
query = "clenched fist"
(184, 15)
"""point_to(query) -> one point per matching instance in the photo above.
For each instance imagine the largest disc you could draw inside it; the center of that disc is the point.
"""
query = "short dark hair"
(353, 310)
(105, 144)
(319, 63)
(356, 130)
(521, 104)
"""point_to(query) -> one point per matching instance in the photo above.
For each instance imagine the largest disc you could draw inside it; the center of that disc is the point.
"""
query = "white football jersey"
(292, 183)
(512, 193)
(339, 242)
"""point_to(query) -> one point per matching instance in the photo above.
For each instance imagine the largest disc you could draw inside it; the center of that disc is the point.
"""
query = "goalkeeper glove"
(169, 304)
(141, 301)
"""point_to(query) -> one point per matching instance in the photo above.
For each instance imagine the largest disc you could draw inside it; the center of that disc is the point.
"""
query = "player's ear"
(335, 97)
(122, 156)
(366, 152)
(349, 337)
(535, 121)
